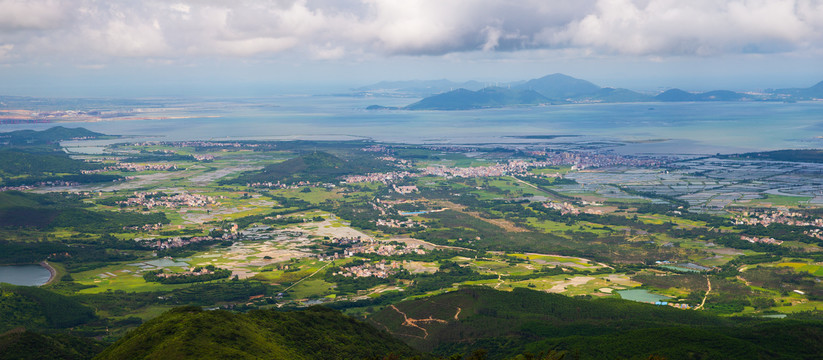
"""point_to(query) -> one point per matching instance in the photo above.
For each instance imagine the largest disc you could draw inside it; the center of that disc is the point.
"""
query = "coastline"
(52, 272)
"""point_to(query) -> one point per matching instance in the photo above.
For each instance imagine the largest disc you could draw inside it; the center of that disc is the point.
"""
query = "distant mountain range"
(415, 88)
(558, 89)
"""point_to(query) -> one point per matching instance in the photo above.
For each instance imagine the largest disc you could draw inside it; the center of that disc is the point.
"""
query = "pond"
(641, 295)
(26, 275)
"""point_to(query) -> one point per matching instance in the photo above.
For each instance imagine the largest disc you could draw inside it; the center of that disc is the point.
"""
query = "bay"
(630, 128)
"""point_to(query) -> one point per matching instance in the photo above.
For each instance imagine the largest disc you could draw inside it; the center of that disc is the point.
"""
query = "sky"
(255, 47)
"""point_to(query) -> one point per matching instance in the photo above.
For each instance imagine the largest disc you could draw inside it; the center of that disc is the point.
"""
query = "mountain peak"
(559, 86)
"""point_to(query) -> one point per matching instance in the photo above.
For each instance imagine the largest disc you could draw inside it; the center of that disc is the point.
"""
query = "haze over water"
(691, 128)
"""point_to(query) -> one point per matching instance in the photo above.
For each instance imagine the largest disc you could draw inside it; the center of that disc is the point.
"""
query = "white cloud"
(88, 30)
(697, 27)
(5, 50)
(31, 15)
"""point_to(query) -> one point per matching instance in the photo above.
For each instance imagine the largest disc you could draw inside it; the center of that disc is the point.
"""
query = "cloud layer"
(98, 31)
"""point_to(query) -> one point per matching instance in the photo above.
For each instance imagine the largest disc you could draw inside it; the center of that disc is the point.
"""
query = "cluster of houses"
(297, 185)
(585, 160)
(782, 216)
(356, 245)
(40, 184)
(566, 208)
(405, 189)
(146, 227)
(378, 177)
(408, 223)
(755, 239)
(200, 144)
(381, 269)
(133, 167)
(192, 271)
(815, 233)
(151, 200)
(177, 241)
(674, 305)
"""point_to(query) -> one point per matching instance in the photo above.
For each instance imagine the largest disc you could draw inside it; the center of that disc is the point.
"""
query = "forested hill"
(510, 323)
(462, 99)
(564, 89)
(28, 157)
(477, 322)
(316, 333)
(50, 135)
(313, 167)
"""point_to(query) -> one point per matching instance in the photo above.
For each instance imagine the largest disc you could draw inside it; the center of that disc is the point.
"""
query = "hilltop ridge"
(559, 89)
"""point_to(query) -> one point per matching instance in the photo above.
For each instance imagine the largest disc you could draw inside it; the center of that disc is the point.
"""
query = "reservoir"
(641, 295)
(27, 275)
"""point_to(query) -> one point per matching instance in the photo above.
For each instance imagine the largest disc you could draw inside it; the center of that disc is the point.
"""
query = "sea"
(627, 128)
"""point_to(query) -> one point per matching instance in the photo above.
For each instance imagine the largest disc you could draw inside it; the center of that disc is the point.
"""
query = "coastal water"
(27, 275)
(699, 128)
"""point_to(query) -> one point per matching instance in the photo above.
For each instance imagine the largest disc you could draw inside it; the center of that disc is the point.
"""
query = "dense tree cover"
(76, 257)
(800, 155)
(271, 218)
(448, 274)
(36, 308)
(65, 210)
(509, 323)
(458, 229)
(156, 276)
(781, 232)
(313, 167)
(52, 135)
(27, 168)
(314, 333)
(19, 344)
(206, 294)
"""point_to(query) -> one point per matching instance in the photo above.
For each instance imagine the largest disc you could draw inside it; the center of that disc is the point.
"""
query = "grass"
(780, 200)
(312, 287)
(552, 170)
(315, 196)
(538, 258)
(807, 306)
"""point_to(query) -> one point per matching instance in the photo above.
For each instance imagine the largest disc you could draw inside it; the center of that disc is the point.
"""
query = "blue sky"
(256, 47)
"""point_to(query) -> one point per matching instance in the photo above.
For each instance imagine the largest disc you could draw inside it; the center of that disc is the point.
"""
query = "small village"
(156, 199)
(381, 269)
(781, 216)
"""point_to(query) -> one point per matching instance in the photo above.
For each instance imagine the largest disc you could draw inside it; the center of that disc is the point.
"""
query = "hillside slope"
(462, 99)
(509, 323)
(315, 333)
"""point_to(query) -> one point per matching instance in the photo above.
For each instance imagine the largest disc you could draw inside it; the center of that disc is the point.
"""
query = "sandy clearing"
(575, 281)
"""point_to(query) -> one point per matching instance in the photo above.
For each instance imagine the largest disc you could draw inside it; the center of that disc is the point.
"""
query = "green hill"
(675, 95)
(50, 135)
(611, 95)
(23, 167)
(55, 210)
(805, 155)
(491, 97)
(35, 308)
(509, 323)
(560, 87)
(314, 333)
(313, 167)
(813, 92)
(19, 344)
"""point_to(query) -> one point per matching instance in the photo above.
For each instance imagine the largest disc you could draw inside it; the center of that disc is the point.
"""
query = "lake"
(641, 295)
(27, 275)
